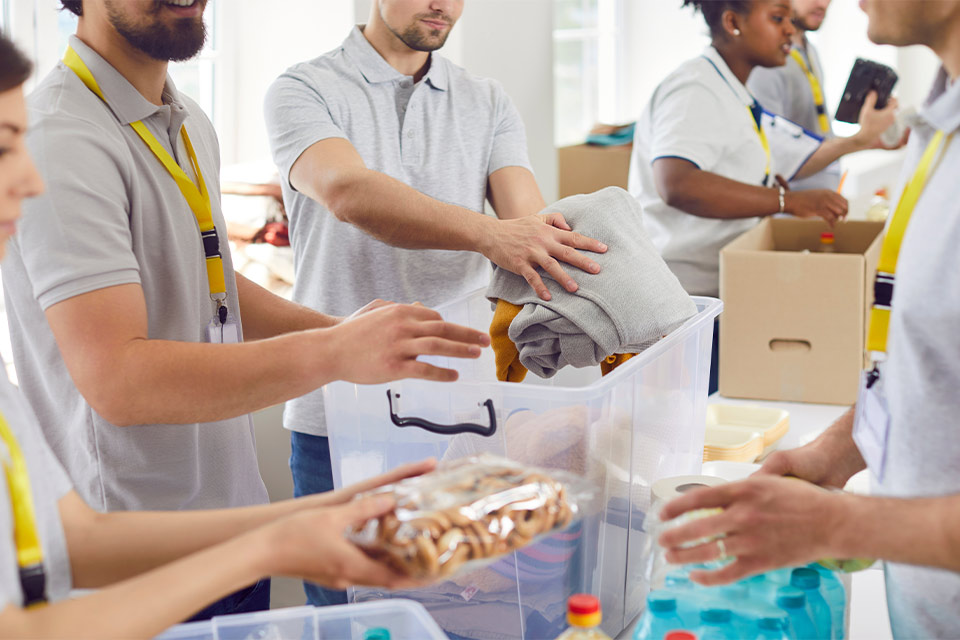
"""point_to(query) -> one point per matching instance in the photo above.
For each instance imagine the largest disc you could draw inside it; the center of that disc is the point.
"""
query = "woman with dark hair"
(702, 166)
(151, 569)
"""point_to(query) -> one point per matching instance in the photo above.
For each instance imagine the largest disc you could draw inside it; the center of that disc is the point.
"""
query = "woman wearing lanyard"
(702, 167)
(151, 569)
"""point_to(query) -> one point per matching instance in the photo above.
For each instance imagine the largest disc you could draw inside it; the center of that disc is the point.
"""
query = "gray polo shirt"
(48, 483)
(112, 215)
(443, 136)
(922, 372)
(786, 91)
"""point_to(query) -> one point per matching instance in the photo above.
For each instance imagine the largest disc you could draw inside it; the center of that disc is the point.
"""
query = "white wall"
(264, 38)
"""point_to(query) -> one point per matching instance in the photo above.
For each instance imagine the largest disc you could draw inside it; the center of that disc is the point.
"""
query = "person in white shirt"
(796, 90)
(909, 441)
(702, 167)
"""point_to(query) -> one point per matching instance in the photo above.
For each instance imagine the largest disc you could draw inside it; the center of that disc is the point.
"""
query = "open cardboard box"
(585, 168)
(795, 320)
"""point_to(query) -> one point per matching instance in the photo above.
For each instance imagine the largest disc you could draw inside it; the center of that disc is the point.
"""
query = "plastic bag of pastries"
(469, 512)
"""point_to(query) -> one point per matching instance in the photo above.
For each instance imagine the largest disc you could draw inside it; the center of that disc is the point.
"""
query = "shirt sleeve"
(75, 237)
(509, 137)
(685, 125)
(297, 117)
(769, 87)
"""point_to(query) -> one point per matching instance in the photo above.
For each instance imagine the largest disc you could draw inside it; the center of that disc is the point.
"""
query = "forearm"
(167, 382)
(919, 531)
(836, 443)
(708, 195)
(266, 315)
(174, 592)
(829, 152)
(106, 548)
(401, 216)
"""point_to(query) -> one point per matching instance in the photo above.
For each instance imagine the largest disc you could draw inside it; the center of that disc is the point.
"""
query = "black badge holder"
(446, 430)
(866, 76)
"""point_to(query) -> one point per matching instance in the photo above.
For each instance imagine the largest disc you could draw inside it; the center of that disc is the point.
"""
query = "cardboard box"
(585, 168)
(794, 322)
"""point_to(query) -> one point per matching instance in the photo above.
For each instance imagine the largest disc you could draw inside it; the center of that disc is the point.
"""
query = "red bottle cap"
(826, 235)
(583, 604)
(679, 635)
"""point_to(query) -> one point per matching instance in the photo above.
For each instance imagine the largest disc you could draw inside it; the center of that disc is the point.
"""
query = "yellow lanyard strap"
(196, 195)
(756, 117)
(29, 551)
(890, 251)
(815, 89)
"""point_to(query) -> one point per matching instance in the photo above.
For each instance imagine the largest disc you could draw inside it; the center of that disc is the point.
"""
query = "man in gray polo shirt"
(109, 299)
(384, 147)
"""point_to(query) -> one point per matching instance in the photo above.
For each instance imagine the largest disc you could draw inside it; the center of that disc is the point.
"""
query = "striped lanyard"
(890, 251)
(33, 580)
(815, 89)
(196, 195)
(755, 112)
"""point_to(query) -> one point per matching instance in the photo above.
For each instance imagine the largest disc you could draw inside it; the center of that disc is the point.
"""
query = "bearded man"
(124, 309)
(386, 153)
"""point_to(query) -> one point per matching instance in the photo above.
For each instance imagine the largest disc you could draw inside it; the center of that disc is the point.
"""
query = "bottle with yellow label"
(583, 616)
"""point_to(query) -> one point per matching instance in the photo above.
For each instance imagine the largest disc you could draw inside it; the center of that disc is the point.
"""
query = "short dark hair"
(15, 68)
(73, 6)
(712, 11)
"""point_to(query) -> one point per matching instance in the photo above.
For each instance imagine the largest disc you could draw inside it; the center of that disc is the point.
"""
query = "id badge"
(225, 333)
(871, 425)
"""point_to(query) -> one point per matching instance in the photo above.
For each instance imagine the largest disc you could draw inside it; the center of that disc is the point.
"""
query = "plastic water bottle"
(716, 624)
(583, 616)
(771, 628)
(836, 596)
(794, 602)
(660, 617)
(761, 589)
(678, 581)
(808, 581)
(377, 633)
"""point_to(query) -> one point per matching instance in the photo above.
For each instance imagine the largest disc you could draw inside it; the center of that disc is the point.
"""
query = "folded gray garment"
(633, 302)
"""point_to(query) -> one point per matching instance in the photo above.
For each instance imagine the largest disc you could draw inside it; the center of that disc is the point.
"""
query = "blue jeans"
(312, 473)
(256, 597)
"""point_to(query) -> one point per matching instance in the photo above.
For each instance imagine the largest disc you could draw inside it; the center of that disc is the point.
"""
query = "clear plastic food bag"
(469, 512)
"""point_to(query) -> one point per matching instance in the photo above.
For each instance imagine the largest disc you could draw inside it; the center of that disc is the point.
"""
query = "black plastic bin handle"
(446, 430)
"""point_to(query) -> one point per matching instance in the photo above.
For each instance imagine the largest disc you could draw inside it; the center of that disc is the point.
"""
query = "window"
(200, 78)
(588, 55)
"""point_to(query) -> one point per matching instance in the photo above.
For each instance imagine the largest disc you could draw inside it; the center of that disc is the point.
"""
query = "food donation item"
(468, 511)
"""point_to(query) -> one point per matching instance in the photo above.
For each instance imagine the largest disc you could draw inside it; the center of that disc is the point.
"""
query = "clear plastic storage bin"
(643, 422)
(404, 619)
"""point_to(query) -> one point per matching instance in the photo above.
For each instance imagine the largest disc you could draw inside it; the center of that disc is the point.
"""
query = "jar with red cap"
(827, 242)
(584, 617)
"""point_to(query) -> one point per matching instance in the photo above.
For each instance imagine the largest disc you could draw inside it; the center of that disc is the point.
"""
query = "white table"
(868, 608)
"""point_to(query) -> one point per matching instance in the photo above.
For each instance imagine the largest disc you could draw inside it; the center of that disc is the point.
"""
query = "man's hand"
(823, 203)
(812, 463)
(873, 122)
(383, 343)
(766, 522)
(523, 244)
(311, 545)
(340, 496)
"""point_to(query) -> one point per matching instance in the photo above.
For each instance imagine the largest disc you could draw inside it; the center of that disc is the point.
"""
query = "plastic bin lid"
(805, 579)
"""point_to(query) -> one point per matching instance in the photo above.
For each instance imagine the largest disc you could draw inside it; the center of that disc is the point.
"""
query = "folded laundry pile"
(632, 303)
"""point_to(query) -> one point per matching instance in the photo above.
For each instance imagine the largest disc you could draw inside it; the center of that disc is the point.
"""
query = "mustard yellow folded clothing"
(612, 362)
(505, 352)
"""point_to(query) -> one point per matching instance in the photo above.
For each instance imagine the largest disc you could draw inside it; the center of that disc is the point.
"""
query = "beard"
(157, 40)
(417, 39)
(803, 25)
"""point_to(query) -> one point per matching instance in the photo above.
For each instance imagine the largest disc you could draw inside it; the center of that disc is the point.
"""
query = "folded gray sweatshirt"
(634, 301)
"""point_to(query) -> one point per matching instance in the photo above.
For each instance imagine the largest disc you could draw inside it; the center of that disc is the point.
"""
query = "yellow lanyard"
(763, 141)
(196, 195)
(29, 551)
(890, 251)
(815, 89)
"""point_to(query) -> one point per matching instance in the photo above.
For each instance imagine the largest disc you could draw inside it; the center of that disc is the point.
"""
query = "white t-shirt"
(48, 483)
(922, 373)
(698, 113)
